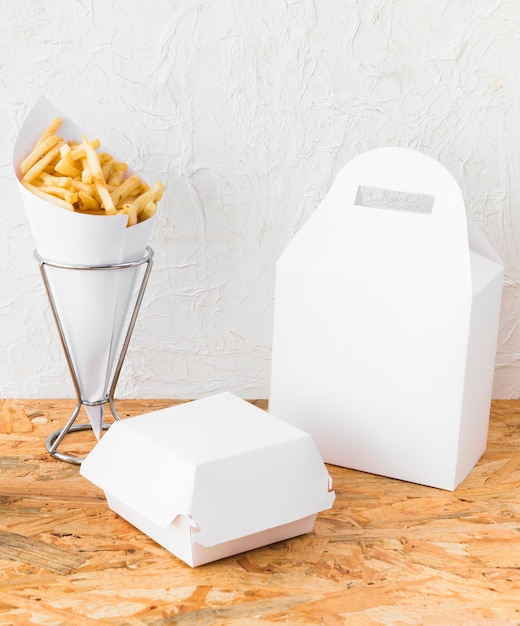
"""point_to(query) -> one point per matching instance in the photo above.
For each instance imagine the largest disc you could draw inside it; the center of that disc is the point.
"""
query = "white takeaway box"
(386, 315)
(211, 478)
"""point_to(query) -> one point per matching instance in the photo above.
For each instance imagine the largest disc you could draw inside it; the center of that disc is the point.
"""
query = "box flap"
(140, 473)
(479, 244)
(389, 241)
(267, 488)
(230, 466)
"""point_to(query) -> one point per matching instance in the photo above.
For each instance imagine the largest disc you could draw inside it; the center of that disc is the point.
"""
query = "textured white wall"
(247, 110)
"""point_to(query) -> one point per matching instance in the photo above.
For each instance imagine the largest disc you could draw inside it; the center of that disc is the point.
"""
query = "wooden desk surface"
(388, 552)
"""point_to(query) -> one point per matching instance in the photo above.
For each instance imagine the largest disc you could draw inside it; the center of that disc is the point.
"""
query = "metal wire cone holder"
(55, 438)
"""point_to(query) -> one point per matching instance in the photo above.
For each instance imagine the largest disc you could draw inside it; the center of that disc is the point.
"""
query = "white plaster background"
(247, 110)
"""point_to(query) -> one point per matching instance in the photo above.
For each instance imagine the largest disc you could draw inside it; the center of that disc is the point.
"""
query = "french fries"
(74, 176)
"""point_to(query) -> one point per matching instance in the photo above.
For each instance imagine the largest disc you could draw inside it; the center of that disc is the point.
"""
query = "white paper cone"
(92, 305)
(95, 416)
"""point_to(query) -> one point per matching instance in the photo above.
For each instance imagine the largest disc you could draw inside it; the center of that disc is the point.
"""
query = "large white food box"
(386, 315)
(211, 478)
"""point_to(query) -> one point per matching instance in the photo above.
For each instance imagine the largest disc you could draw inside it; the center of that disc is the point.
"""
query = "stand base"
(55, 438)
(59, 435)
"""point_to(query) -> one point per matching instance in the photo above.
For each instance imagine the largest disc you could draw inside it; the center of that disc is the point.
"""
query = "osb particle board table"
(388, 552)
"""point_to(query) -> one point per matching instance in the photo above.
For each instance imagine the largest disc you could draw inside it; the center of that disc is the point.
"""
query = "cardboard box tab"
(385, 323)
(211, 478)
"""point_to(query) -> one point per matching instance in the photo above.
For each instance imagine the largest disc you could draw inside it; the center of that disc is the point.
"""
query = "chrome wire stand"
(55, 438)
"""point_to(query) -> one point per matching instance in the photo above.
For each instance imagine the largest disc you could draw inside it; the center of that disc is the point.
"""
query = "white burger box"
(211, 478)
(386, 315)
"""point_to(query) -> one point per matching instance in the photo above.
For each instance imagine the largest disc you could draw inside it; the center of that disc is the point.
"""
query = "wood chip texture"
(387, 553)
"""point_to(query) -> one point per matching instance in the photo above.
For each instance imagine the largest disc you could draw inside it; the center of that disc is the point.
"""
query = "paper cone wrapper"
(92, 305)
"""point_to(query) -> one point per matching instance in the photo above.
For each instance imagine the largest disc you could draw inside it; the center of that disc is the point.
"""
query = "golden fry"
(115, 178)
(98, 179)
(60, 192)
(88, 188)
(56, 181)
(34, 171)
(86, 176)
(51, 129)
(66, 165)
(129, 188)
(119, 165)
(78, 151)
(106, 168)
(50, 198)
(150, 195)
(131, 211)
(89, 201)
(149, 210)
(39, 151)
